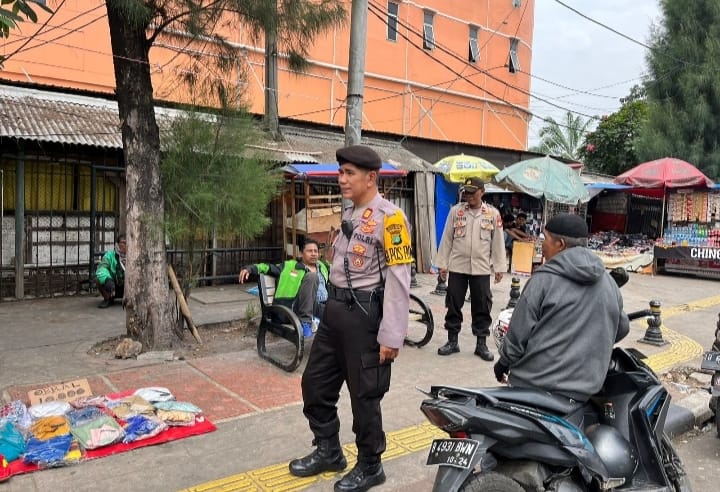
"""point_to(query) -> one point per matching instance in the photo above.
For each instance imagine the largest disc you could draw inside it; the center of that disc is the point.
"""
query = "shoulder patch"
(398, 248)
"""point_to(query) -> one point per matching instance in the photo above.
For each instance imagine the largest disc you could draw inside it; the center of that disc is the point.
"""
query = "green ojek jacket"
(289, 274)
(108, 268)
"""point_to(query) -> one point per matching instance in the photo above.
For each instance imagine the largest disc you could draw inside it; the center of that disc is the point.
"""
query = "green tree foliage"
(563, 139)
(210, 187)
(289, 27)
(135, 25)
(12, 12)
(610, 148)
(683, 90)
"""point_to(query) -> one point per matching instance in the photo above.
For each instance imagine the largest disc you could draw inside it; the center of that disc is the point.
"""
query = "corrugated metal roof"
(44, 116)
(27, 115)
(323, 144)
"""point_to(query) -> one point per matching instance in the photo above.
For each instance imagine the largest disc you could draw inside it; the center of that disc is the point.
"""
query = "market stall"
(312, 203)
(690, 241)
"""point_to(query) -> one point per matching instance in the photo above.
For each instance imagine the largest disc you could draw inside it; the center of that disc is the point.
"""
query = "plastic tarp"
(446, 195)
(331, 170)
(596, 188)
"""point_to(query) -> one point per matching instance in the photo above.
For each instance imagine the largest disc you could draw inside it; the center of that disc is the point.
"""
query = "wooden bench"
(282, 322)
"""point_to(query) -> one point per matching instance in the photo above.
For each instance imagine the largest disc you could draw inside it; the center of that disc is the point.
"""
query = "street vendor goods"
(56, 434)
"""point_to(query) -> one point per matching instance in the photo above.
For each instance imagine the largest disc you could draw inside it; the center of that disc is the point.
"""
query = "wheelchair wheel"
(420, 323)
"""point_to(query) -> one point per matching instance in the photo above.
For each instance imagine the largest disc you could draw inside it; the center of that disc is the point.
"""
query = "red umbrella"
(662, 174)
(667, 172)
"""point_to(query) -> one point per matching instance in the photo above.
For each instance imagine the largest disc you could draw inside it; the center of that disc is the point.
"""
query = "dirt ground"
(683, 380)
(237, 336)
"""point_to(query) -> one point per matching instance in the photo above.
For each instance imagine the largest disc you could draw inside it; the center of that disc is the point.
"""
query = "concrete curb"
(688, 413)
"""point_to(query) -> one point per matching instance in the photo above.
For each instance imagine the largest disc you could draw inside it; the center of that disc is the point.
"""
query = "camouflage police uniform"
(472, 248)
(368, 305)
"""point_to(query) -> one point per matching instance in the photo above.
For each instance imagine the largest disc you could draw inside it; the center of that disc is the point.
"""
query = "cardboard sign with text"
(67, 391)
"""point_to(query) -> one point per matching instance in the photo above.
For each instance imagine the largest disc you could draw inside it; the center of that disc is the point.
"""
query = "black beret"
(360, 155)
(567, 225)
(471, 185)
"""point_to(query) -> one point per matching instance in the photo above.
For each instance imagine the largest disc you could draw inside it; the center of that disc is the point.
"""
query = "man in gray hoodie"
(568, 318)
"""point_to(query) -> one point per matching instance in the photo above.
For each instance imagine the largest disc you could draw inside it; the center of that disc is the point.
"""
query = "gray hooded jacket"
(562, 331)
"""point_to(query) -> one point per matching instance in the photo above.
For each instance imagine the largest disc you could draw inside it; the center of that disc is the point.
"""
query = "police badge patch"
(398, 249)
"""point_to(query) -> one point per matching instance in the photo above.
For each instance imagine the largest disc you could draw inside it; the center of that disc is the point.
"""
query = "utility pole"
(272, 120)
(356, 72)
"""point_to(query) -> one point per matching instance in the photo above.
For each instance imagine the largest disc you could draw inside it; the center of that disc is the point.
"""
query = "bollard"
(441, 287)
(413, 276)
(514, 292)
(653, 335)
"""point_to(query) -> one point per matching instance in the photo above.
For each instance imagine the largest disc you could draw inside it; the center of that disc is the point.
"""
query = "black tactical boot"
(328, 456)
(362, 477)
(482, 351)
(451, 347)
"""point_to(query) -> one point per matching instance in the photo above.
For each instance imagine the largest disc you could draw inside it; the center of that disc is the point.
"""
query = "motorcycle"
(505, 439)
(711, 362)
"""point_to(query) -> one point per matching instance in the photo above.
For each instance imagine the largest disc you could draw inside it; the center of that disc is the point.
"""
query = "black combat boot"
(451, 347)
(482, 351)
(328, 456)
(362, 477)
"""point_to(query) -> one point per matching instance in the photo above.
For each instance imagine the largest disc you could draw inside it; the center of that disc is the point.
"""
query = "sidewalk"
(256, 406)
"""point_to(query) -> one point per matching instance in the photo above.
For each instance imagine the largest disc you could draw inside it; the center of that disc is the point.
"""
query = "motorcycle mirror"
(620, 276)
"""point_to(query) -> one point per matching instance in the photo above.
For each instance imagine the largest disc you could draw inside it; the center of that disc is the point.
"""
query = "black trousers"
(480, 302)
(106, 290)
(345, 349)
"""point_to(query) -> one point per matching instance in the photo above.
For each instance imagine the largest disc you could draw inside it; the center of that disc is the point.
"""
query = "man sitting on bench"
(301, 285)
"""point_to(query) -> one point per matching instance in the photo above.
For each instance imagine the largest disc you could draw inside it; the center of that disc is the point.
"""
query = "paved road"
(700, 452)
(250, 450)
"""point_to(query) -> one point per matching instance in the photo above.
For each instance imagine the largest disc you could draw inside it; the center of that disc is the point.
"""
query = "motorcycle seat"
(556, 404)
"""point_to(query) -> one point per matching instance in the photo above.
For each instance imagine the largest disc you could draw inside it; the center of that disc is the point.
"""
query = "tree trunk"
(272, 117)
(149, 313)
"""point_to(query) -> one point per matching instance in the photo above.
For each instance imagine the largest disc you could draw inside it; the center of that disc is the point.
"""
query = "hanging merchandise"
(693, 220)
(691, 243)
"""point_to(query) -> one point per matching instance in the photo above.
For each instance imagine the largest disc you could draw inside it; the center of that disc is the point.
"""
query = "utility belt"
(345, 295)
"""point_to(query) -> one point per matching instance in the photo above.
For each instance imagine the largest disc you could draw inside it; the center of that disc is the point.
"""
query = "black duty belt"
(345, 295)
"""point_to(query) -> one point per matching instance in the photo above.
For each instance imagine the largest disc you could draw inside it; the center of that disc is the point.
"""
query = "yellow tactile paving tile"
(277, 478)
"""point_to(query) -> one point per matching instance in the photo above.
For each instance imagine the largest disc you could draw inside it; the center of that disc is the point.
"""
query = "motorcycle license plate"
(711, 361)
(452, 452)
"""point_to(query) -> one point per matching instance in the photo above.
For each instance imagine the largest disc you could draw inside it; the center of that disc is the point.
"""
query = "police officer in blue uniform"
(363, 327)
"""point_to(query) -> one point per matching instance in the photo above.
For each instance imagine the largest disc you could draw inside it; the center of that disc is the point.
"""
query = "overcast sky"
(576, 53)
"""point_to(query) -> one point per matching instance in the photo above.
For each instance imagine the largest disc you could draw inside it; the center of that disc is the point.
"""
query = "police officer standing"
(363, 328)
(471, 249)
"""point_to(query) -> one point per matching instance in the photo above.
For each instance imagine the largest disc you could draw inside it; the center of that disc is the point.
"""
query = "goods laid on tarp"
(58, 433)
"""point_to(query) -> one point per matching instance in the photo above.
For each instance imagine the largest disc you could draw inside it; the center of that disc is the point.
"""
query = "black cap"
(360, 155)
(471, 185)
(567, 225)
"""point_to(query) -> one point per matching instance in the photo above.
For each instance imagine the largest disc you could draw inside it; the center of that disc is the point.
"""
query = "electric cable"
(487, 91)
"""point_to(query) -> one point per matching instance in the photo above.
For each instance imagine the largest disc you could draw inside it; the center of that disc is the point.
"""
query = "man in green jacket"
(110, 273)
(301, 285)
